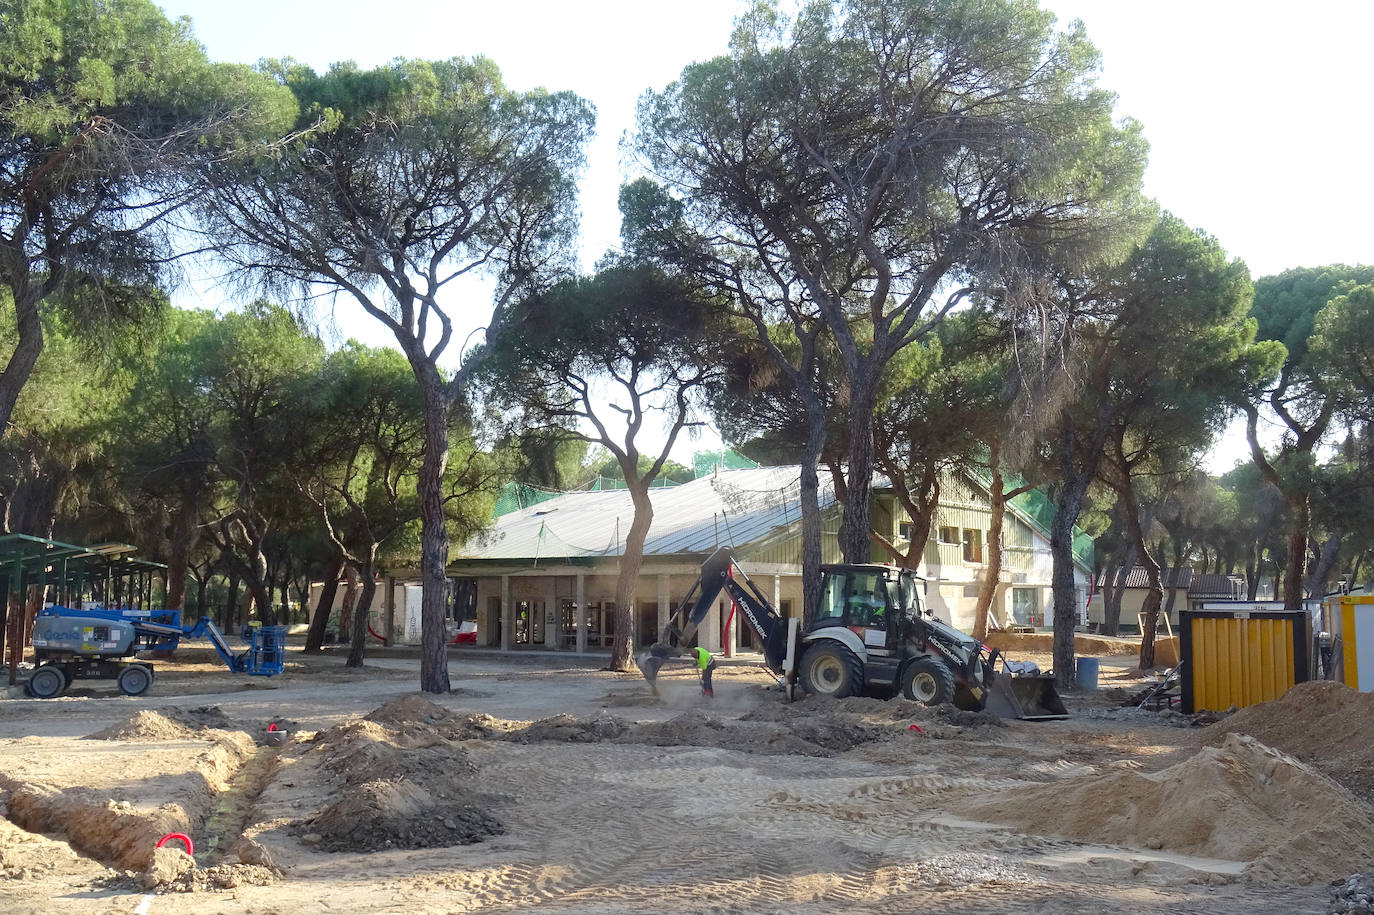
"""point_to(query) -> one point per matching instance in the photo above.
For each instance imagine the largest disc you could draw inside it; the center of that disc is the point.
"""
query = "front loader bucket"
(1029, 698)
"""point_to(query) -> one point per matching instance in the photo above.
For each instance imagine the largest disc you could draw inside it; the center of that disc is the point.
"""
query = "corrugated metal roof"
(1208, 584)
(1199, 584)
(1139, 578)
(732, 507)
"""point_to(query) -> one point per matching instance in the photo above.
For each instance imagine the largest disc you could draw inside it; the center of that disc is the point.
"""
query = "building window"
(973, 545)
(1025, 606)
(904, 530)
(949, 535)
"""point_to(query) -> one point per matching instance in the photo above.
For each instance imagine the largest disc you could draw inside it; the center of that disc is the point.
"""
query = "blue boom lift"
(100, 644)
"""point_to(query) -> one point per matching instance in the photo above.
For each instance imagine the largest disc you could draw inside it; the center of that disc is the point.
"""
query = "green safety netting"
(704, 463)
(515, 496)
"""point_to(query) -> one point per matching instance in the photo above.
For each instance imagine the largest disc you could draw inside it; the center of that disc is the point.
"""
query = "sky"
(1258, 115)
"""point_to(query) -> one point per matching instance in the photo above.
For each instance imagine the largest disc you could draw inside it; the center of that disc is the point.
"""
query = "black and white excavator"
(871, 634)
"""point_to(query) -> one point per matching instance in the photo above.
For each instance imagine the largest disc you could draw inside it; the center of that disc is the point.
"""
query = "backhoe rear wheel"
(829, 669)
(928, 680)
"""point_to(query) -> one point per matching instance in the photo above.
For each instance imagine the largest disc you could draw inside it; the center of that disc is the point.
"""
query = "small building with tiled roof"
(1186, 588)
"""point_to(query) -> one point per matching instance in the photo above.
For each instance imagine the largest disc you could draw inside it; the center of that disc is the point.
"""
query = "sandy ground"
(631, 803)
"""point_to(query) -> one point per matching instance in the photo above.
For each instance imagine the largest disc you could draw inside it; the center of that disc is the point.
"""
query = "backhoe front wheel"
(928, 680)
(829, 669)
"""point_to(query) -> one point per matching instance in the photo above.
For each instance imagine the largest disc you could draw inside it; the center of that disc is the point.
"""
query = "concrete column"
(581, 613)
(553, 618)
(389, 610)
(777, 593)
(708, 636)
(664, 599)
(507, 615)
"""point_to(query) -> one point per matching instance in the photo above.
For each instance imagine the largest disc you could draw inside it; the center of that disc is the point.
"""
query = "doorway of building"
(648, 624)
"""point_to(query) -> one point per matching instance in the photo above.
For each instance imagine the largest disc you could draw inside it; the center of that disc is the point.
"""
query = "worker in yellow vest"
(707, 664)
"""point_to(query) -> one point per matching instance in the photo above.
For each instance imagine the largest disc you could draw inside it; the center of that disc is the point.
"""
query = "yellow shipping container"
(1349, 618)
(1242, 657)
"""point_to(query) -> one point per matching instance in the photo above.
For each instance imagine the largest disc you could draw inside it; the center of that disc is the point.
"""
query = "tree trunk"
(1293, 575)
(809, 490)
(1069, 504)
(988, 588)
(1111, 604)
(360, 615)
(856, 529)
(226, 622)
(27, 349)
(1251, 571)
(1321, 570)
(631, 560)
(314, 636)
(433, 534)
(1154, 596)
(286, 600)
(349, 602)
(183, 540)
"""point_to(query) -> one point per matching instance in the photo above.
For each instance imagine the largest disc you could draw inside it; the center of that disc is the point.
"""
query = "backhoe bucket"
(1029, 698)
(649, 664)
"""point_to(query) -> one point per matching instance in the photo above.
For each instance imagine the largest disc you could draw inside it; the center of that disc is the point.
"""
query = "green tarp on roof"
(704, 463)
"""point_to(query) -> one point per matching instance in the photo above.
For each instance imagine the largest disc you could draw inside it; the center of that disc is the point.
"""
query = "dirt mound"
(145, 725)
(380, 814)
(698, 729)
(417, 717)
(1240, 802)
(399, 783)
(222, 877)
(1043, 643)
(866, 719)
(567, 729)
(165, 724)
(1326, 724)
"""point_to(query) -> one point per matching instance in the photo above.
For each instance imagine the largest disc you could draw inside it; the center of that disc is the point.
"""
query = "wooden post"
(14, 602)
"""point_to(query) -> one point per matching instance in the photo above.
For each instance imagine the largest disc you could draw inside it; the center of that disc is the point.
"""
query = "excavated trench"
(212, 801)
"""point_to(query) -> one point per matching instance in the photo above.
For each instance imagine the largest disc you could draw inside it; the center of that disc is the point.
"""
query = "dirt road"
(577, 791)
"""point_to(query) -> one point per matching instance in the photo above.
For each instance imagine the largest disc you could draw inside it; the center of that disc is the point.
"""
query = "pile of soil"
(185, 724)
(1327, 725)
(568, 729)
(698, 729)
(172, 870)
(866, 719)
(145, 725)
(416, 717)
(1043, 643)
(399, 783)
(1241, 802)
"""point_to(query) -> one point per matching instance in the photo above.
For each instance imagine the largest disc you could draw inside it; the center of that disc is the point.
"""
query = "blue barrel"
(1087, 673)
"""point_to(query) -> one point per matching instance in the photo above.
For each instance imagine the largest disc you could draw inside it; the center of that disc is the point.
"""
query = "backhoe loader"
(871, 635)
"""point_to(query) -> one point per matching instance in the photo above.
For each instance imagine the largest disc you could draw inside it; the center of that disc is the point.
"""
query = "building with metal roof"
(545, 575)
